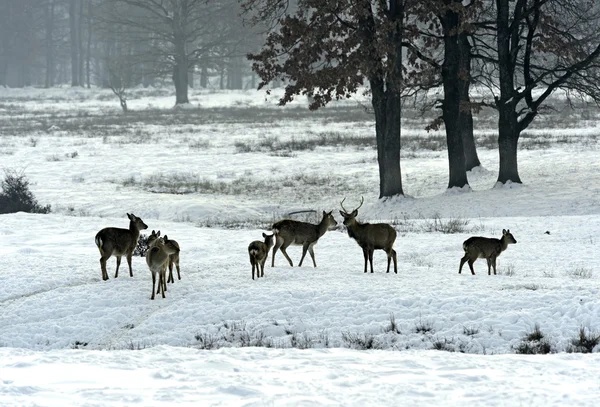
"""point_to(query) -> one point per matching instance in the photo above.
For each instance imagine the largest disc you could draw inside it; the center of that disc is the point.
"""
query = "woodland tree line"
(516, 53)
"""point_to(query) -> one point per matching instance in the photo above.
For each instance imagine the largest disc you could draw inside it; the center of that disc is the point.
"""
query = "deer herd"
(163, 252)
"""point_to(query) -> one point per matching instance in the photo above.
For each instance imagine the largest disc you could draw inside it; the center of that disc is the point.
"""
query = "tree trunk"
(49, 44)
(508, 129)
(387, 130)
(465, 118)
(191, 77)
(80, 51)
(508, 138)
(204, 76)
(450, 105)
(74, 44)
(88, 55)
(180, 79)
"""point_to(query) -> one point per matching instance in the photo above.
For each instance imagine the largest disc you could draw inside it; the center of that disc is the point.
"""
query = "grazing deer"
(155, 238)
(119, 242)
(259, 252)
(485, 248)
(157, 258)
(371, 237)
(292, 232)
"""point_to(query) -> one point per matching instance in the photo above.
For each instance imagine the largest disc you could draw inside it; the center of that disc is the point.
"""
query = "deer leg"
(312, 255)
(262, 268)
(177, 266)
(286, 255)
(118, 264)
(394, 256)
(463, 261)
(170, 279)
(471, 261)
(103, 268)
(129, 255)
(366, 255)
(252, 269)
(494, 265)
(278, 243)
(153, 282)
(489, 263)
(163, 273)
(371, 258)
(304, 250)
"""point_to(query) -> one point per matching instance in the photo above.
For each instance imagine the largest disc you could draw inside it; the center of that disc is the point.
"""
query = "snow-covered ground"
(329, 335)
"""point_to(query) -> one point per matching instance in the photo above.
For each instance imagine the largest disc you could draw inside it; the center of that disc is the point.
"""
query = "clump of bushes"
(16, 196)
(534, 343)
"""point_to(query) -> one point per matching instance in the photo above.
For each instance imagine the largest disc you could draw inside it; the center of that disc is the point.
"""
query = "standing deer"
(118, 242)
(371, 237)
(157, 258)
(155, 238)
(259, 252)
(292, 232)
(485, 248)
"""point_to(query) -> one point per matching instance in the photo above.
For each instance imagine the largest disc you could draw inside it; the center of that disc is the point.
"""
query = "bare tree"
(179, 33)
(536, 47)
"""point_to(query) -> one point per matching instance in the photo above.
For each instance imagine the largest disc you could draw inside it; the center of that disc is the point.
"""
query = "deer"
(155, 238)
(292, 232)
(119, 242)
(259, 252)
(157, 258)
(478, 247)
(370, 236)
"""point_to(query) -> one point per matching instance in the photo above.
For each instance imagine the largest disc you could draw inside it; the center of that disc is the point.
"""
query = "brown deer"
(292, 232)
(157, 258)
(371, 237)
(485, 248)
(155, 238)
(119, 242)
(259, 252)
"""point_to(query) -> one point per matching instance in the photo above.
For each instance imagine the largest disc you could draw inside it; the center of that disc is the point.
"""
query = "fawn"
(119, 242)
(173, 258)
(259, 252)
(157, 258)
(485, 248)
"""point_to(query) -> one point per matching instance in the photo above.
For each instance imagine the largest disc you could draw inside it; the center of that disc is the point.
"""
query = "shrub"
(534, 343)
(16, 196)
(584, 342)
(358, 341)
(448, 226)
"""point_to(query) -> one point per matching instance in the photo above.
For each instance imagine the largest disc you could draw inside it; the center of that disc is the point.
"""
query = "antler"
(362, 200)
(342, 205)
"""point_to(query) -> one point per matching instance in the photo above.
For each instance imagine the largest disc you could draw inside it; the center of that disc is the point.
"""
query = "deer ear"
(158, 233)
(264, 234)
(344, 214)
(165, 237)
(354, 213)
(129, 216)
(504, 231)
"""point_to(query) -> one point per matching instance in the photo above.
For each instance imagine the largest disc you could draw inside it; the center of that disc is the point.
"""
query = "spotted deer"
(259, 251)
(292, 232)
(119, 242)
(157, 258)
(478, 247)
(370, 237)
(173, 258)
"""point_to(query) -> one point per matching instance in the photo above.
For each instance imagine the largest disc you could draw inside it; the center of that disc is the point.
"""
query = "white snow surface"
(292, 338)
